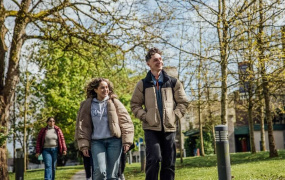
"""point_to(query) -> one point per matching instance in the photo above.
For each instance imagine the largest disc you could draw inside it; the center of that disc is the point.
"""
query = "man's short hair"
(151, 52)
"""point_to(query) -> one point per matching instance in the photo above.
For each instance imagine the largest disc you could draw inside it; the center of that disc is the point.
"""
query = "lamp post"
(142, 157)
(19, 165)
(223, 153)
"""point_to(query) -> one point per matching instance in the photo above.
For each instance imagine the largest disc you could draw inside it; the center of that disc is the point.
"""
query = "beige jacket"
(174, 102)
(120, 123)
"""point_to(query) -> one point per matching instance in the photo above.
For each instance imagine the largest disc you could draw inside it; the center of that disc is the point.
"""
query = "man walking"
(159, 101)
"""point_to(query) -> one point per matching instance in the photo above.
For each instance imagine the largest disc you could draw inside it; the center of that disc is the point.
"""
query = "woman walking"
(50, 143)
(103, 124)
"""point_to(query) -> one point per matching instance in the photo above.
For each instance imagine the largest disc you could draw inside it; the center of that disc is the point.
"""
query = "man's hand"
(64, 153)
(37, 155)
(85, 152)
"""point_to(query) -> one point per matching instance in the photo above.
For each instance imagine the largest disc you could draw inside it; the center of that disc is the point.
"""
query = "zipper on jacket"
(165, 94)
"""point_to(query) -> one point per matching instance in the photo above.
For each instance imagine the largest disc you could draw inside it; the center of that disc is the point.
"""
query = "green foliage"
(193, 142)
(66, 73)
(190, 145)
(3, 136)
(208, 143)
(26, 91)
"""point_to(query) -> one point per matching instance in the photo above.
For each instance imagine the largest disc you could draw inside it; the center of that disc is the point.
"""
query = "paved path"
(80, 175)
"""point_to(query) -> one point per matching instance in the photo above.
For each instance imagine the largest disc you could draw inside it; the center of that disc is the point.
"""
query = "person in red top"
(50, 143)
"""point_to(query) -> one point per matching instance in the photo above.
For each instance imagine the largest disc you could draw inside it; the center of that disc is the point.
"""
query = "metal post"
(223, 154)
(19, 165)
(130, 157)
(142, 157)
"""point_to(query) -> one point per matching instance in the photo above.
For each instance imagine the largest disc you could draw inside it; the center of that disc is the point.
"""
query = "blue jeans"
(50, 160)
(106, 158)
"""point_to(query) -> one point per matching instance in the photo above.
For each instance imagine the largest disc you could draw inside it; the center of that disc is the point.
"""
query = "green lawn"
(62, 173)
(244, 166)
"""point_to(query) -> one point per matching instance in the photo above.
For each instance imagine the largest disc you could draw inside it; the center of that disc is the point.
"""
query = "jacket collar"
(97, 101)
(148, 77)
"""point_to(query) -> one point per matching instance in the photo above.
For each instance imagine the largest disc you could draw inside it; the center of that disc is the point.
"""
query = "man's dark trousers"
(160, 146)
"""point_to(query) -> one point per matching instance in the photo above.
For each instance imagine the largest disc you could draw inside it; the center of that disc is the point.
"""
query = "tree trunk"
(180, 125)
(14, 133)
(222, 28)
(3, 104)
(265, 84)
(262, 130)
(261, 113)
(3, 147)
(283, 44)
(7, 91)
(3, 47)
(210, 117)
(25, 121)
(201, 133)
(3, 166)
(181, 141)
(199, 99)
(214, 141)
(249, 80)
(251, 127)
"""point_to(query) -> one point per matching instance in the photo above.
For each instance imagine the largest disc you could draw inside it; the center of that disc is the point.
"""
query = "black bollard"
(142, 157)
(223, 153)
(130, 157)
(19, 164)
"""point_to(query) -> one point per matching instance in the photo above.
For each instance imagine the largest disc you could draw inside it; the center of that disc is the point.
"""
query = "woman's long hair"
(50, 118)
(94, 84)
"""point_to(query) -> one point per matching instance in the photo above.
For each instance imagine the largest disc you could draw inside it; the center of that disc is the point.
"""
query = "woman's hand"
(37, 155)
(126, 148)
(85, 152)
(64, 153)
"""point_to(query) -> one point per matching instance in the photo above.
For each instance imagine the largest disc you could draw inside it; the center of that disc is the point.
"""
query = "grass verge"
(62, 173)
(244, 166)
